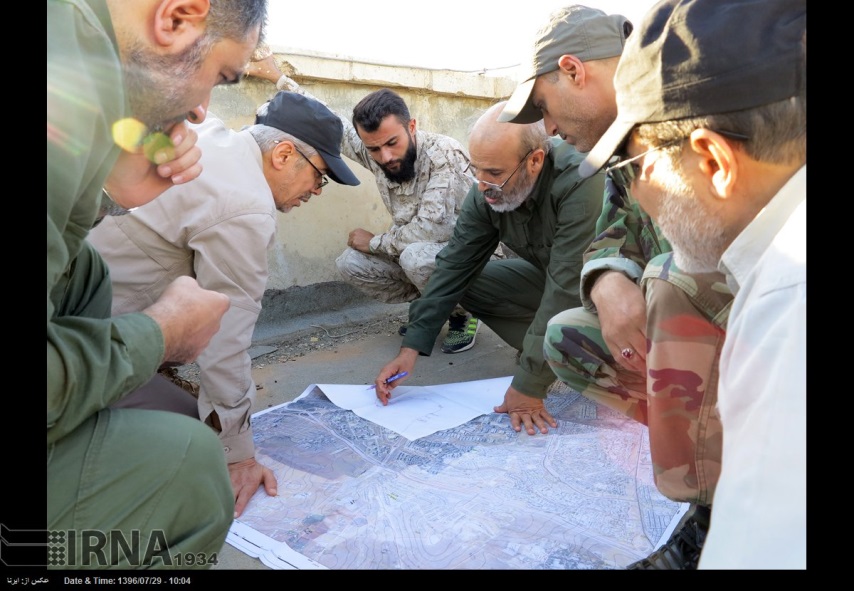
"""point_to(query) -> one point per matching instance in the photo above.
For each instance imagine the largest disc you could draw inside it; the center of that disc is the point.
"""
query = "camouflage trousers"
(392, 280)
(677, 398)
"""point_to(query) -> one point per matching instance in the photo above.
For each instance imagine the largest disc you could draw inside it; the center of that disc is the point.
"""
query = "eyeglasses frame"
(323, 178)
(624, 177)
(500, 188)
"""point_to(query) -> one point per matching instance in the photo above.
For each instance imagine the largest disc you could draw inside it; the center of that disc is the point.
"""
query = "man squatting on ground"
(530, 197)
(647, 339)
(160, 476)
(422, 178)
(710, 135)
(218, 230)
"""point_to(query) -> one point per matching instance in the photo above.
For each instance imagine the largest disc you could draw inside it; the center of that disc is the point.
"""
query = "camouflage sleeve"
(439, 202)
(626, 238)
(352, 146)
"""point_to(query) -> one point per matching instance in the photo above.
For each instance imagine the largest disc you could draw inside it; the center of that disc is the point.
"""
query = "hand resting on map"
(526, 410)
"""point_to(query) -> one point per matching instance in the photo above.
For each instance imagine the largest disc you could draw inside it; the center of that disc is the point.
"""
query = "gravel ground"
(320, 337)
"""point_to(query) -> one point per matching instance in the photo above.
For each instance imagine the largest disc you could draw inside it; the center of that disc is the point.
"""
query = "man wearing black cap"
(647, 339)
(422, 179)
(710, 136)
(218, 230)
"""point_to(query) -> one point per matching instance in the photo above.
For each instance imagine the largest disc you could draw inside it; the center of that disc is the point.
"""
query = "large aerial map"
(356, 495)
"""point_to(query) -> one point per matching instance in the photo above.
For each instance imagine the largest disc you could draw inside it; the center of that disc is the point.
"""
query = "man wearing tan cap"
(648, 336)
(218, 230)
(711, 138)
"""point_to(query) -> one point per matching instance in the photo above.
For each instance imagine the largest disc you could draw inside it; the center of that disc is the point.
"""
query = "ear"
(280, 154)
(535, 161)
(179, 23)
(412, 127)
(572, 67)
(716, 160)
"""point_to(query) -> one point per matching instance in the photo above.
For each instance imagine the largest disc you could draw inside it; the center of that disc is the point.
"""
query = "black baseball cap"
(309, 120)
(691, 58)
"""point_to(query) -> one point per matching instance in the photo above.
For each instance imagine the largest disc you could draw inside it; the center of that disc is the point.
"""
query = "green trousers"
(506, 297)
(133, 488)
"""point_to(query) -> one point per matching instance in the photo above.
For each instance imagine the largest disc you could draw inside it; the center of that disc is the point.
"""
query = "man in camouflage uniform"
(422, 179)
(648, 337)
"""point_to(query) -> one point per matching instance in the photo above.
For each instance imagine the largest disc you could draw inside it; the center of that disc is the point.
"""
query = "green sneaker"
(462, 330)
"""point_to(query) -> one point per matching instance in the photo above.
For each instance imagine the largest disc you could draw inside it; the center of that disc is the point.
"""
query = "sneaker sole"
(467, 347)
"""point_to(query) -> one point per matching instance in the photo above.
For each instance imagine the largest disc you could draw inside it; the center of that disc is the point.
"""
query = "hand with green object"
(158, 148)
(152, 162)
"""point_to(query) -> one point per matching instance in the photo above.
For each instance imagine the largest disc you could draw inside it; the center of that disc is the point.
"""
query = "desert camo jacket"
(424, 209)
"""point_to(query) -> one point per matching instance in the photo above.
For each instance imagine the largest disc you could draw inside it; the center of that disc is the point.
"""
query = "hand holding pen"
(397, 376)
(383, 397)
(397, 370)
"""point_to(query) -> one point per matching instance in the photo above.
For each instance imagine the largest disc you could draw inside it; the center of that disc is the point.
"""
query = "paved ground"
(324, 351)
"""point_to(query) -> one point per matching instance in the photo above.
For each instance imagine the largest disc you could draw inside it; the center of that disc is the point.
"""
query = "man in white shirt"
(711, 138)
(218, 230)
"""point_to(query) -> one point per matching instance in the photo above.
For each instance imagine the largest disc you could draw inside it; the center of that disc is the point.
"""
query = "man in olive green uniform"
(530, 197)
(153, 483)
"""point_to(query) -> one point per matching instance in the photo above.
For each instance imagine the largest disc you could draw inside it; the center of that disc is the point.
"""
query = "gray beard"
(698, 239)
(157, 85)
(515, 197)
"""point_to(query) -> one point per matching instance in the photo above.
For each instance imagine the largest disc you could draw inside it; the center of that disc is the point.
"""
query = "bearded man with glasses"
(529, 196)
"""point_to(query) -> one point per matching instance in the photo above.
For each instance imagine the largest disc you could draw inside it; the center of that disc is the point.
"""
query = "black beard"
(407, 166)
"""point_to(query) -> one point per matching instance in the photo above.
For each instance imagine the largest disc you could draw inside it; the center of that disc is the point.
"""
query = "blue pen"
(402, 374)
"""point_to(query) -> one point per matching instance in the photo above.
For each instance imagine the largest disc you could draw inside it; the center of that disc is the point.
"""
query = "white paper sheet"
(418, 411)
(276, 555)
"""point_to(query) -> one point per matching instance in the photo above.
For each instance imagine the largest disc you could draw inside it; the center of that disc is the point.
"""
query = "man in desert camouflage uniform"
(648, 337)
(422, 179)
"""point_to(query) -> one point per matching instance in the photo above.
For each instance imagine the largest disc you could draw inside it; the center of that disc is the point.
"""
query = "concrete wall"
(310, 237)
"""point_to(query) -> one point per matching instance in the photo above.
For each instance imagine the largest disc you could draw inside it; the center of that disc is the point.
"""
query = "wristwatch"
(109, 207)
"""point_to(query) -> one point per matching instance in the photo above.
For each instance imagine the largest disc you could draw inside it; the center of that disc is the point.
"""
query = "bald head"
(506, 158)
(488, 130)
(492, 136)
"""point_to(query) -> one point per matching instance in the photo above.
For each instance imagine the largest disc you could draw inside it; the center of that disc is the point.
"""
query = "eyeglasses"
(624, 175)
(323, 180)
(500, 187)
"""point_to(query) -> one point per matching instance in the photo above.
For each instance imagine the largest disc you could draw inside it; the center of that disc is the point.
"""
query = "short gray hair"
(534, 136)
(267, 137)
(777, 132)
